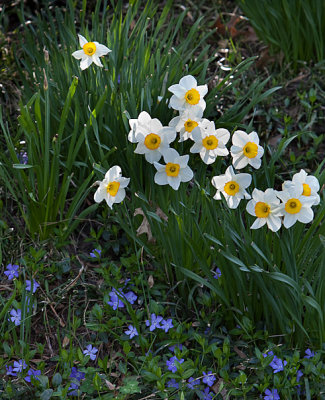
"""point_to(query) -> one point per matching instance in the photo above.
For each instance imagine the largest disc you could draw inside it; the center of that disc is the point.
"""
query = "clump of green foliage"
(294, 27)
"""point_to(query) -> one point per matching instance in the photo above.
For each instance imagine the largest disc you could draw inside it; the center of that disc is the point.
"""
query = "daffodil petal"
(178, 91)
(82, 40)
(174, 182)
(96, 60)
(258, 223)
(273, 223)
(160, 178)
(188, 82)
(153, 156)
(79, 54)
(176, 103)
(113, 173)
(101, 49)
(85, 63)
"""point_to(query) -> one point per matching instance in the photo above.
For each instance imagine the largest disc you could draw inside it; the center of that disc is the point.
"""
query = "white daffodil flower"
(187, 94)
(153, 139)
(209, 141)
(232, 186)
(90, 53)
(246, 150)
(310, 185)
(186, 122)
(296, 206)
(267, 208)
(112, 188)
(175, 171)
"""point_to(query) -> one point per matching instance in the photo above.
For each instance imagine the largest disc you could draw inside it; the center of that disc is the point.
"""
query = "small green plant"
(40, 182)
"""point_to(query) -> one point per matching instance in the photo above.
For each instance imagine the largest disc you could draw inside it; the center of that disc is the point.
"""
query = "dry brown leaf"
(151, 281)
(249, 35)
(38, 360)
(220, 26)
(216, 389)
(297, 79)
(266, 58)
(144, 227)
(223, 45)
(239, 352)
(240, 367)
(230, 27)
(161, 214)
(294, 112)
(190, 16)
(65, 342)
(275, 140)
(110, 385)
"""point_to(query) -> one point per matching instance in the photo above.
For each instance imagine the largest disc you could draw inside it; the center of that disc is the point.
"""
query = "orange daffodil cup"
(90, 53)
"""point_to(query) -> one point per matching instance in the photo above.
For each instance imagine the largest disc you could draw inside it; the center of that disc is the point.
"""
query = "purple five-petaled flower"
(207, 394)
(271, 394)
(74, 386)
(193, 382)
(91, 352)
(15, 316)
(171, 363)
(19, 365)
(78, 375)
(209, 378)
(12, 271)
(32, 373)
(154, 322)
(309, 354)
(29, 285)
(277, 364)
(217, 274)
(115, 302)
(172, 383)
(167, 324)
(95, 253)
(10, 371)
(130, 297)
(132, 331)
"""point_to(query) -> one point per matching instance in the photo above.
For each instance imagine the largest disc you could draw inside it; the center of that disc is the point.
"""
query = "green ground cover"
(165, 291)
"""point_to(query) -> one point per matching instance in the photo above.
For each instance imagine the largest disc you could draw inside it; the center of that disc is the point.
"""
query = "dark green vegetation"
(73, 125)
(295, 27)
